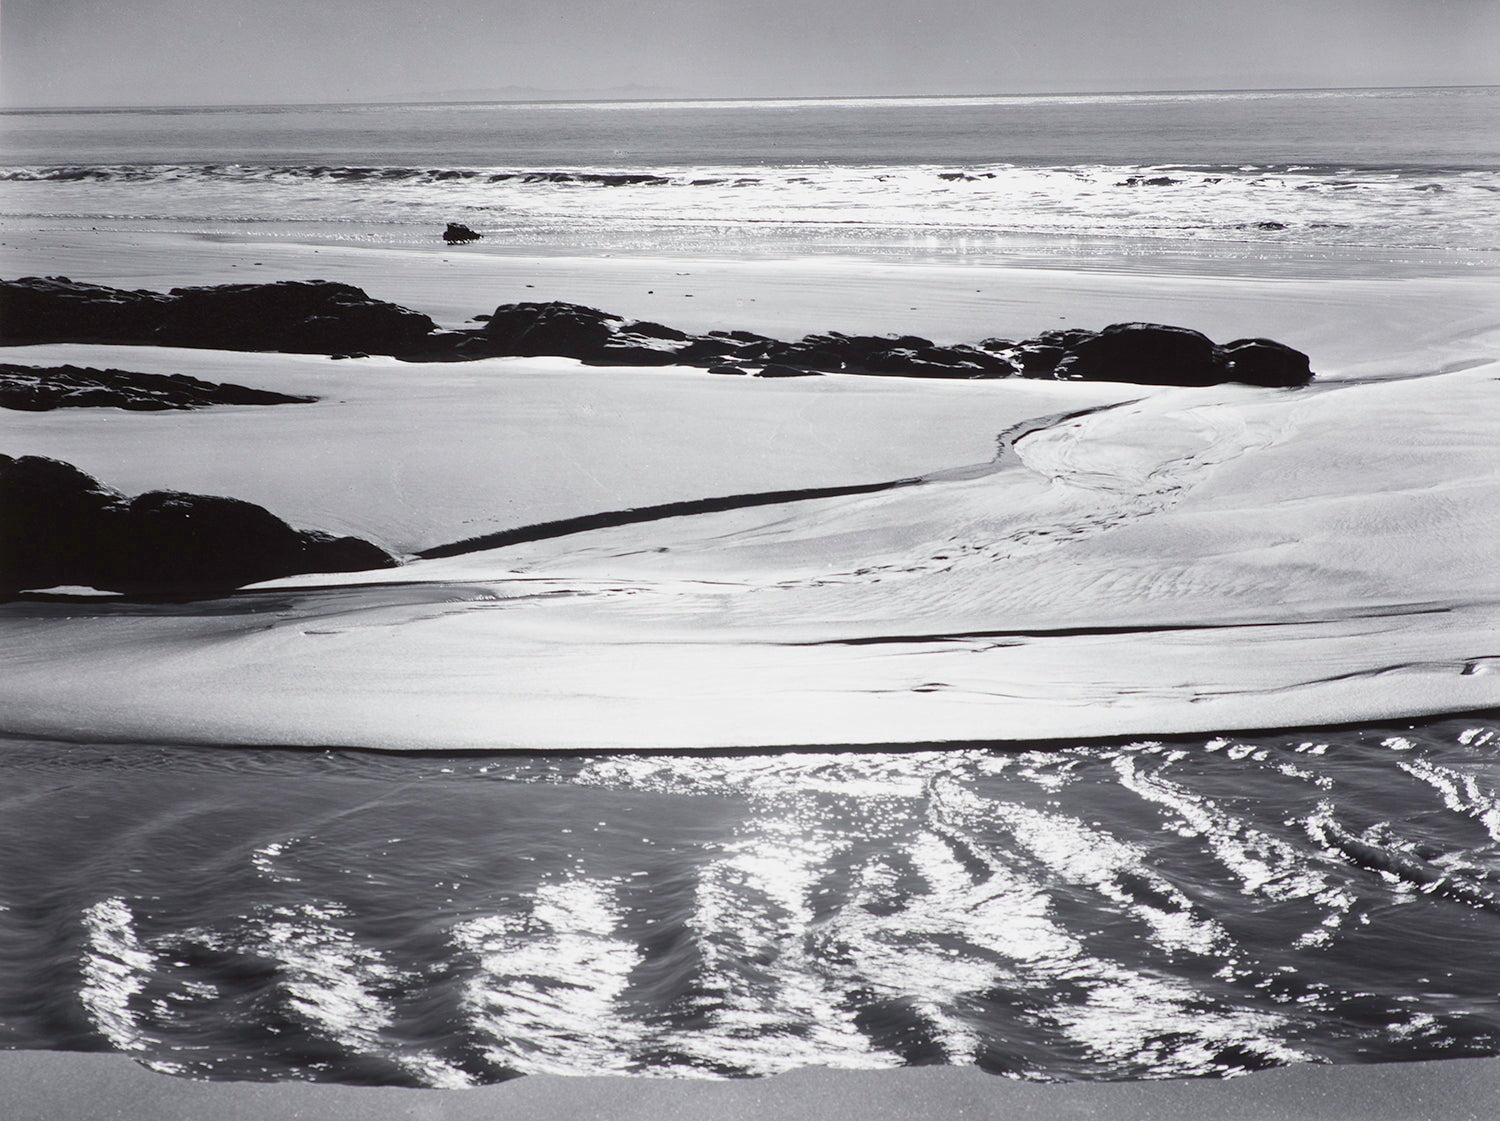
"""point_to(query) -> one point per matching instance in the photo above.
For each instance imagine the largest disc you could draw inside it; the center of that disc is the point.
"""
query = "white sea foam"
(1262, 207)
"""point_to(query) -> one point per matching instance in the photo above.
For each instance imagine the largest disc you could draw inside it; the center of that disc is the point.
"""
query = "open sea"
(1397, 170)
(1191, 906)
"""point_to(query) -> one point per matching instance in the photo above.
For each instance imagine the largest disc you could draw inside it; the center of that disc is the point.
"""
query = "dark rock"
(710, 348)
(168, 539)
(740, 336)
(777, 370)
(1264, 362)
(56, 309)
(300, 316)
(903, 356)
(1149, 181)
(1039, 361)
(458, 234)
(1146, 353)
(63, 527)
(57, 523)
(725, 368)
(566, 330)
(647, 329)
(53, 387)
(303, 316)
(1270, 225)
(327, 318)
(989, 364)
(1063, 336)
(327, 552)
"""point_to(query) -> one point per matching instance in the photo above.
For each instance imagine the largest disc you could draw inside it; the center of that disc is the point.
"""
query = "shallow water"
(1181, 907)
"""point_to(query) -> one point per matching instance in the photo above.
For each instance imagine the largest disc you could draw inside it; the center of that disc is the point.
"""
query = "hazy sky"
(163, 52)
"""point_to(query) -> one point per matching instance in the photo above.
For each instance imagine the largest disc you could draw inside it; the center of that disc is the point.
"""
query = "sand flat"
(44, 1085)
(1192, 560)
(1172, 561)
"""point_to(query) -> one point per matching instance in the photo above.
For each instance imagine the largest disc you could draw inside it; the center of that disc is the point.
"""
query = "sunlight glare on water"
(1185, 907)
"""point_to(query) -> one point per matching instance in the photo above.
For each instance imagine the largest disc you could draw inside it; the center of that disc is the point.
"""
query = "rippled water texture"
(1183, 907)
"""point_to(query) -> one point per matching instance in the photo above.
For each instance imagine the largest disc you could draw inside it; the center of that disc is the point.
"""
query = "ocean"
(1249, 173)
(1190, 906)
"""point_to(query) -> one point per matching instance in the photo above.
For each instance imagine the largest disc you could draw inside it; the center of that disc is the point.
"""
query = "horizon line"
(563, 99)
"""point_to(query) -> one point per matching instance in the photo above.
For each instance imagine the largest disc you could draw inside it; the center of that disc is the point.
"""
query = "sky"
(215, 52)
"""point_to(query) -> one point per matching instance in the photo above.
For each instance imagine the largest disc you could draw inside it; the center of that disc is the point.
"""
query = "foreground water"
(1181, 907)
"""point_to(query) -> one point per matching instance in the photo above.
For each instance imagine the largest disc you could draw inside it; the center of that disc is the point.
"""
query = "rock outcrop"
(63, 527)
(55, 309)
(1156, 354)
(39, 388)
(1264, 362)
(600, 338)
(321, 317)
(1149, 353)
(298, 316)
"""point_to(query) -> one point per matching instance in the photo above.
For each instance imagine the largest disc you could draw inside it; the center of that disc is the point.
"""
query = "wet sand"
(45, 1086)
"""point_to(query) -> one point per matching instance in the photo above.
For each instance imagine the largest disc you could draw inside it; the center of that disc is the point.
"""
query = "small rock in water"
(459, 234)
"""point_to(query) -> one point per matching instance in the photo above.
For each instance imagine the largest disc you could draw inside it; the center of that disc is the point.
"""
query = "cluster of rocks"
(1147, 353)
(297, 316)
(1154, 354)
(63, 527)
(600, 338)
(40, 388)
(322, 317)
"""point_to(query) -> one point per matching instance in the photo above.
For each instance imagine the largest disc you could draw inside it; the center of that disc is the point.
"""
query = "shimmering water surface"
(1182, 907)
(1267, 171)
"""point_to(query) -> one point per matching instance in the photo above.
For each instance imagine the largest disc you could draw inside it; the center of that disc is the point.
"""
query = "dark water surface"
(1188, 906)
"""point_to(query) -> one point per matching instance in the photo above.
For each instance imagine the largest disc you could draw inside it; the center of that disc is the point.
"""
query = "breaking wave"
(1295, 204)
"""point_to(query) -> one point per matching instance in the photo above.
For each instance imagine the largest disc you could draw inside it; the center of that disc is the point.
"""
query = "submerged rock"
(39, 388)
(63, 527)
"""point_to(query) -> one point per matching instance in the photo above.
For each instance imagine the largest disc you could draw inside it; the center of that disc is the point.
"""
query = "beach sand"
(46, 1086)
(1177, 561)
